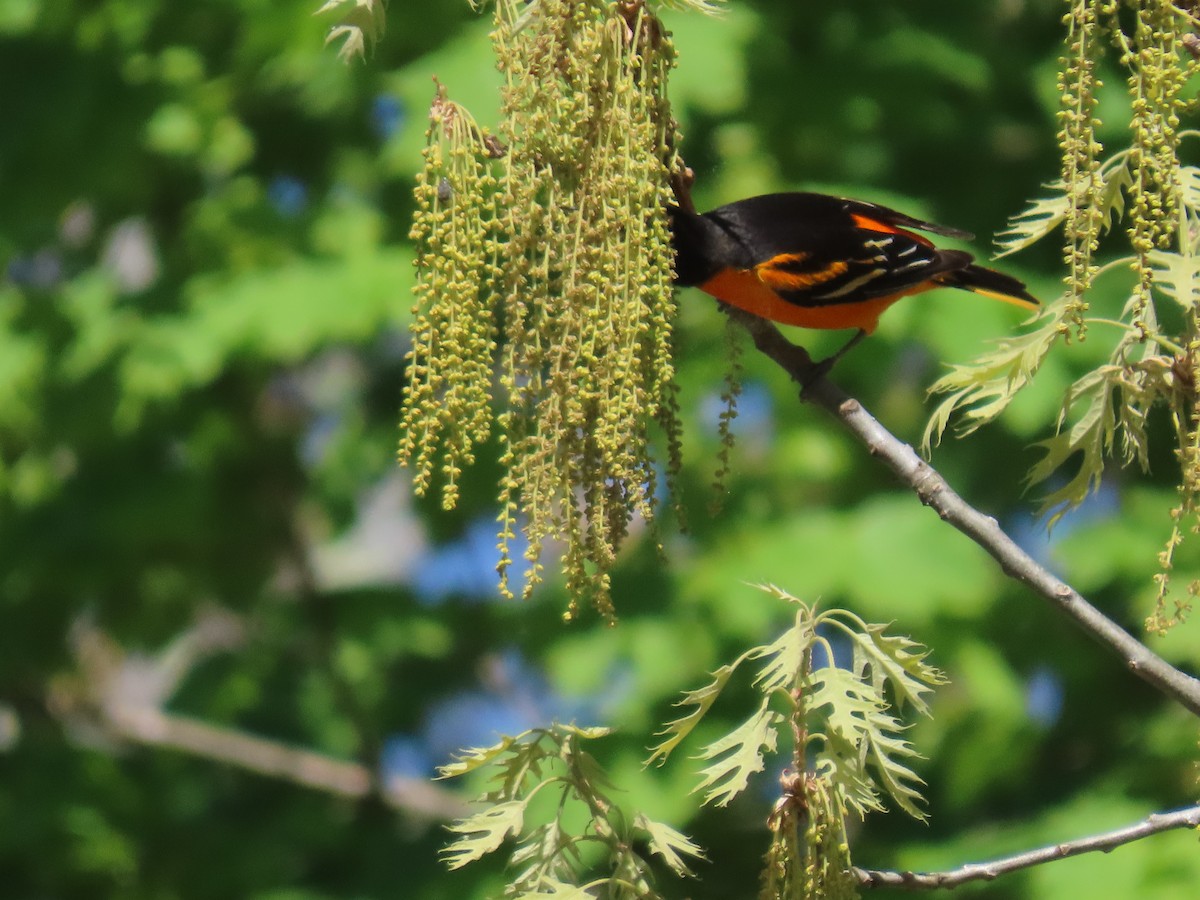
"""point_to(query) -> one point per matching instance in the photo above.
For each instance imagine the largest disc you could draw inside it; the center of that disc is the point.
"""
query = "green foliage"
(807, 824)
(552, 858)
(448, 402)
(874, 557)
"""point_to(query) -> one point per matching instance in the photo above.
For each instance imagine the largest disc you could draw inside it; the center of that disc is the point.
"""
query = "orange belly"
(742, 288)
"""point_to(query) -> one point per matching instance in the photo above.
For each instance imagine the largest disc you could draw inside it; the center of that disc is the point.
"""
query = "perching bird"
(823, 262)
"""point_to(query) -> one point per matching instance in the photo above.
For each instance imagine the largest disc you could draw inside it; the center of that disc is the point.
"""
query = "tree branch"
(415, 796)
(935, 492)
(1184, 818)
(117, 697)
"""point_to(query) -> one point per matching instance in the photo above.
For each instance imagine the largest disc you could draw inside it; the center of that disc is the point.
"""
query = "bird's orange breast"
(743, 289)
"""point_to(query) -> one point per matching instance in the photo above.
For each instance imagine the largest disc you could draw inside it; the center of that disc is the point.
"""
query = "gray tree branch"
(1184, 818)
(117, 697)
(413, 796)
(933, 490)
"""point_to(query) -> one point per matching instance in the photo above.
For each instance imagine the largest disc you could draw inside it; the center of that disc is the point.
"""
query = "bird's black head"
(702, 247)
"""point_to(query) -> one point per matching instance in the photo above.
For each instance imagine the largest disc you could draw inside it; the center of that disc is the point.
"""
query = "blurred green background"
(204, 277)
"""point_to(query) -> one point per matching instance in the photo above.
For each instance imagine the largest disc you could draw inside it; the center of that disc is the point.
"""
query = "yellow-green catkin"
(783, 865)
(1081, 150)
(1152, 49)
(586, 277)
(1157, 78)
(809, 855)
(1149, 37)
(447, 409)
(1185, 516)
(828, 874)
(545, 269)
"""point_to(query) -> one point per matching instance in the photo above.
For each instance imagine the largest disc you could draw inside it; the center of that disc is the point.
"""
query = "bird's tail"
(990, 283)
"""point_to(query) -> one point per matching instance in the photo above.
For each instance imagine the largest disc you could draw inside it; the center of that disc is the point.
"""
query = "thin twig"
(1184, 818)
(933, 491)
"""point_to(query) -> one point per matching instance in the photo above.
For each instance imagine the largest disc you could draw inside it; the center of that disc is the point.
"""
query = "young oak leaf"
(885, 749)
(738, 755)
(847, 698)
(1189, 187)
(1091, 435)
(859, 731)
(546, 855)
(985, 388)
(785, 657)
(1034, 223)
(701, 699)
(1178, 276)
(362, 22)
(840, 762)
(849, 703)
(354, 43)
(587, 732)
(587, 768)
(1045, 214)
(1117, 182)
(484, 832)
(476, 757)
(900, 662)
(671, 845)
(552, 889)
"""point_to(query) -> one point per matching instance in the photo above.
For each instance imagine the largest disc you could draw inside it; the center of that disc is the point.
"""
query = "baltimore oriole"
(823, 262)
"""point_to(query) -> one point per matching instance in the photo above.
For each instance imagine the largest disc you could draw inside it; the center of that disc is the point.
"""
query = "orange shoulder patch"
(868, 224)
(782, 273)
